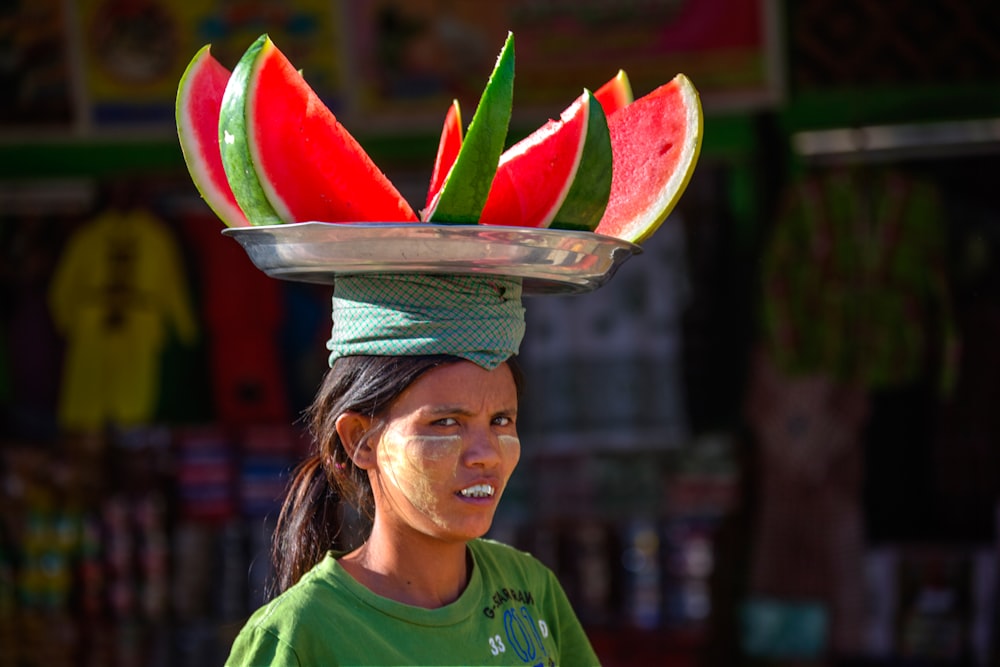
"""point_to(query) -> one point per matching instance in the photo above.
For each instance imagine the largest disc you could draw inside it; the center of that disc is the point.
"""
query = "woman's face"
(448, 448)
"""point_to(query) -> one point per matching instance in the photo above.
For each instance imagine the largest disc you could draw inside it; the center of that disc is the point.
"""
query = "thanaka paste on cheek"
(509, 442)
(406, 459)
(420, 466)
(431, 448)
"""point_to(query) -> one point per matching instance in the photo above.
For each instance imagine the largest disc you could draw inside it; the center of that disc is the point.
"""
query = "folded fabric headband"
(479, 318)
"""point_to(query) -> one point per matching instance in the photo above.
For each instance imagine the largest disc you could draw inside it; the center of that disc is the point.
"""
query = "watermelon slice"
(467, 185)
(199, 96)
(287, 157)
(537, 175)
(234, 147)
(588, 196)
(656, 141)
(448, 147)
(615, 94)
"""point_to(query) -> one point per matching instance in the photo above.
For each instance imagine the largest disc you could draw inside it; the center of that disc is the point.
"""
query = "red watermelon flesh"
(310, 167)
(535, 174)
(448, 147)
(615, 93)
(655, 143)
(199, 97)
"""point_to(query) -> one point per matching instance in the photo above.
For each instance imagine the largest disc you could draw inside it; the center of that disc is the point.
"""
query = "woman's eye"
(502, 420)
(445, 421)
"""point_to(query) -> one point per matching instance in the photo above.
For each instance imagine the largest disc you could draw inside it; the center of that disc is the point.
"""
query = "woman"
(424, 438)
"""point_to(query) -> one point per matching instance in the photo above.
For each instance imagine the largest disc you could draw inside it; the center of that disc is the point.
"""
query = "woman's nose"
(482, 448)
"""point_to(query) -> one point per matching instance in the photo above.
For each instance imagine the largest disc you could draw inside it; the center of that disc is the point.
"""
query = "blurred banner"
(34, 65)
(135, 51)
(99, 66)
(422, 53)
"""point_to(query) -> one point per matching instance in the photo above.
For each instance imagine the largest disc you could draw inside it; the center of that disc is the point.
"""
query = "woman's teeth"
(478, 491)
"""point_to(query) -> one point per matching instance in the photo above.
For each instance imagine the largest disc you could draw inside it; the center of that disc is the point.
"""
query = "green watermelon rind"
(467, 186)
(587, 198)
(198, 157)
(233, 144)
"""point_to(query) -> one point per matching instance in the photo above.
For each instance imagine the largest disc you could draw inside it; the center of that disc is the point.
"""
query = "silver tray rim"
(548, 261)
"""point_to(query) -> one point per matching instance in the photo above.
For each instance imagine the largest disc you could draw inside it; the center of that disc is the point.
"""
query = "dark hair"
(312, 517)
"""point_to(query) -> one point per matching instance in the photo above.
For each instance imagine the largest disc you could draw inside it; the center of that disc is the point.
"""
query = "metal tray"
(549, 261)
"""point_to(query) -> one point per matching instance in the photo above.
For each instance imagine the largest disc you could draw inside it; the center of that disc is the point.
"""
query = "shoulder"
(296, 609)
(487, 549)
(499, 561)
(295, 625)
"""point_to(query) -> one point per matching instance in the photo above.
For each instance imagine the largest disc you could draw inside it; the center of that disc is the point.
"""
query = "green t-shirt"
(513, 612)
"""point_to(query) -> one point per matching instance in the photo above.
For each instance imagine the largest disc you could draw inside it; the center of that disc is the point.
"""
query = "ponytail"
(307, 525)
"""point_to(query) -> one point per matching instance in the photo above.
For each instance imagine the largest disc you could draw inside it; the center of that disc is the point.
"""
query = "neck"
(420, 571)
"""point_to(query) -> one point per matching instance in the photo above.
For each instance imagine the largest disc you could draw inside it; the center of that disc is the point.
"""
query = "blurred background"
(771, 439)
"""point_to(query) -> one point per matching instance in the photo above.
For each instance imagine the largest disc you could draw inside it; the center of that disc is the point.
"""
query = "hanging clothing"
(854, 280)
(30, 347)
(809, 545)
(117, 291)
(855, 303)
(243, 310)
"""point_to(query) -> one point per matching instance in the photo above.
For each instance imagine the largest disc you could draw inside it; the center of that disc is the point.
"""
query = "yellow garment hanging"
(119, 284)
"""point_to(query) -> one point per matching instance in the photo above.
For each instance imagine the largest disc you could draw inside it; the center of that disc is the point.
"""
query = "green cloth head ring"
(479, 318)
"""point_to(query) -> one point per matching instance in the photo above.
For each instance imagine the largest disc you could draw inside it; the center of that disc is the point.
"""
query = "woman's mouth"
(478, 491)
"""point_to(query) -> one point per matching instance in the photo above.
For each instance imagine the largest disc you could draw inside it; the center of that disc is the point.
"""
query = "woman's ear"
(352, 428)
